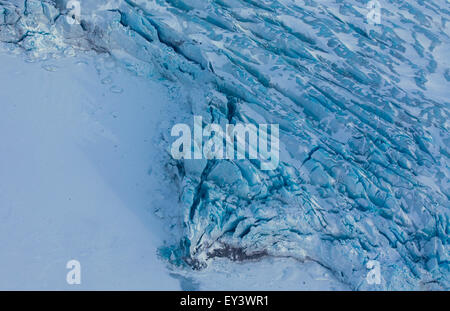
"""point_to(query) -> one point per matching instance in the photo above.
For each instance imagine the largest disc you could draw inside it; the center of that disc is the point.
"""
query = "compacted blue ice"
(363, 109)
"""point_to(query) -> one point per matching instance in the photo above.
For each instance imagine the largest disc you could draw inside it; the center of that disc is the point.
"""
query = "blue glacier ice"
(363, 110)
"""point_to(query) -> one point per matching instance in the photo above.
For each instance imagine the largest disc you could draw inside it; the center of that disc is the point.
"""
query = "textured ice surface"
(363, 112)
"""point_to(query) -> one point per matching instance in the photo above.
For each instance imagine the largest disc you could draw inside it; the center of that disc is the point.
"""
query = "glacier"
(363, 111)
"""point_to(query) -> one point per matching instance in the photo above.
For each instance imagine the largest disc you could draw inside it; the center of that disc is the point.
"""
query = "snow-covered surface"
(363, 113)
(265, 274)
(75, 160)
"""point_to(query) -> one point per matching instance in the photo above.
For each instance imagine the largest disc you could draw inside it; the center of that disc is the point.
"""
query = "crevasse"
(363, 111)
